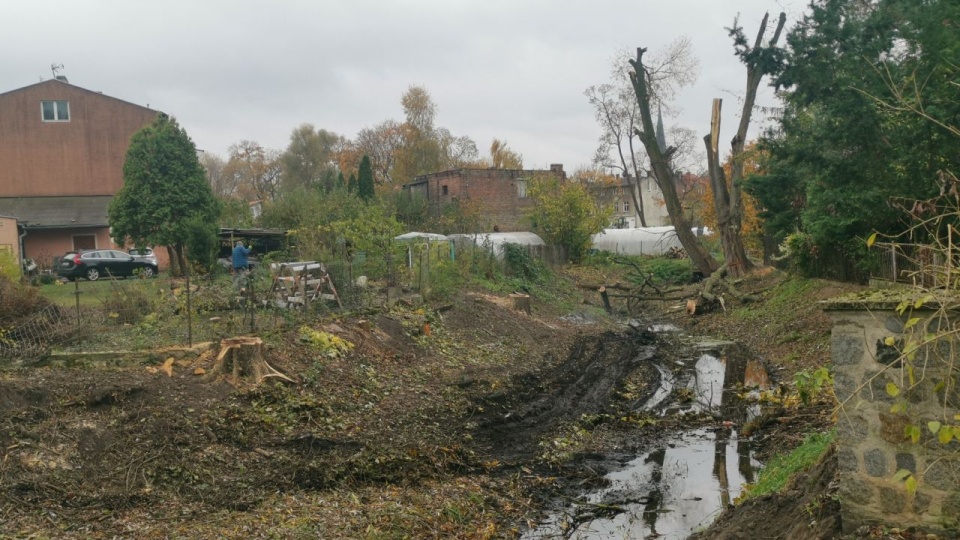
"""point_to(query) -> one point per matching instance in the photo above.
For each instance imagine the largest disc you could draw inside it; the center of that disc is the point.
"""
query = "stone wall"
(872, 443)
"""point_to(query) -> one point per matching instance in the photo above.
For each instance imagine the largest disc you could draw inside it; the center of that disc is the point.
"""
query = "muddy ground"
(466, 431)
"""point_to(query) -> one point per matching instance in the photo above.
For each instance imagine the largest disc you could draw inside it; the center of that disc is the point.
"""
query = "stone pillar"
(871, 441)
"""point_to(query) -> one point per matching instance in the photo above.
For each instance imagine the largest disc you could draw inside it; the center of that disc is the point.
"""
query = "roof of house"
(52, 82)
(57, 212)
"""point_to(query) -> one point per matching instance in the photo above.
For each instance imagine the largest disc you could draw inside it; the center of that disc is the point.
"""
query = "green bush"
(520, 263)
(669, 270)
(9, 267)
(128, 303)
(446, 278)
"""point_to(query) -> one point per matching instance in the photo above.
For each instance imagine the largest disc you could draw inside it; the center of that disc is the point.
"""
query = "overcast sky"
(241, 69)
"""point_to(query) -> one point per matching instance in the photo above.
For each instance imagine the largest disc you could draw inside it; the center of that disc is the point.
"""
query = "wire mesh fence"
(141, 314)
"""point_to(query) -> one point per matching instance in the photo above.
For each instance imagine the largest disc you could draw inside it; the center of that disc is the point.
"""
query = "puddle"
(670, 492)
(663, 327)
(683, 485)
(666, 387)
(706, 384)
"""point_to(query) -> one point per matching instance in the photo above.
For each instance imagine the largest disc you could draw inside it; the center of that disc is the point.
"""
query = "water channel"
(682, 484)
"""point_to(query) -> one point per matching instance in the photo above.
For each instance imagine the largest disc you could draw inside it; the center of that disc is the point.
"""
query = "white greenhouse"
(495, 241)
(639, 241)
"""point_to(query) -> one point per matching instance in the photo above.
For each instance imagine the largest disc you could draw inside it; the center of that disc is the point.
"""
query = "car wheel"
(147, 272)
(93, 274)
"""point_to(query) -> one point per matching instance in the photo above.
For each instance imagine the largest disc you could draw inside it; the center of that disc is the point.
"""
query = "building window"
(626, 206)
(444, 190)
(521, 189)
(84, 241)
(55, 111)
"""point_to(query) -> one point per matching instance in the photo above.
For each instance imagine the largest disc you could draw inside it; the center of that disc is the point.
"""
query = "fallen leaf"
(199, 371)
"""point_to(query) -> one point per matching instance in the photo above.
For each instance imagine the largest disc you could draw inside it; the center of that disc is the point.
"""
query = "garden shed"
(639, 241)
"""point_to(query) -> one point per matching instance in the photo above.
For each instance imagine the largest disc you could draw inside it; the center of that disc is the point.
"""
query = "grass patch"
(665, 271)
(785, 297)
(95, 293)
(775, 474)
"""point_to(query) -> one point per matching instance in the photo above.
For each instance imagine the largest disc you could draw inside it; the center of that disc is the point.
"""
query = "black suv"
(97, 263)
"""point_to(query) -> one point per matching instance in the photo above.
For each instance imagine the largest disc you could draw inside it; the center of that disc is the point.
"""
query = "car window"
(91, 255)
(119, 255)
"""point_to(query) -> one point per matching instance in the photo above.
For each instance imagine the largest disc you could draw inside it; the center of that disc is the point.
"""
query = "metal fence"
(136, 314)
(141, 314)
(916, 264)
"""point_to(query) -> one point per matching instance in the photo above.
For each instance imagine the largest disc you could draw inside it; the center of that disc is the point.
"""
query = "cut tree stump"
(241, 359)
(521, 302)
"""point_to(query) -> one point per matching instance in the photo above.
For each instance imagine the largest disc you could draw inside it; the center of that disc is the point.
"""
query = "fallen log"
(710, 297)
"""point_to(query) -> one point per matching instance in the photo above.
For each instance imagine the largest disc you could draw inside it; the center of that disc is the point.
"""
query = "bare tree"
(381, 144)
(221, 184)
(663, 171)
(252, 171)
(502, 157)
(727, 199)
(618, 116)
(617, 111)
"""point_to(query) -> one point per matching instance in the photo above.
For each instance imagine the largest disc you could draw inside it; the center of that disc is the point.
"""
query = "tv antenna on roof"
(54, 68)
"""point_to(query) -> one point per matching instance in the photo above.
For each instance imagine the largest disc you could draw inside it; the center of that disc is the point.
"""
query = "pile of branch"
(712, 294)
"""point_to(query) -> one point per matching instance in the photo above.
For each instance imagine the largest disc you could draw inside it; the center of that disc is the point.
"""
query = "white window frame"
(56, 110)
(521, 189)
(626, 206)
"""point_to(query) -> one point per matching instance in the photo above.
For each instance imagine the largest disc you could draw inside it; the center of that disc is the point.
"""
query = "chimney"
(557, 168)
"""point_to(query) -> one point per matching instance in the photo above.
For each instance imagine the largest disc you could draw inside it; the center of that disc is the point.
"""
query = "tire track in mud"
(512, 421)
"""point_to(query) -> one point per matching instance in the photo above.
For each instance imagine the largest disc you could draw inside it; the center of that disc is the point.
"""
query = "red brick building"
(62, 150)
(501, 193)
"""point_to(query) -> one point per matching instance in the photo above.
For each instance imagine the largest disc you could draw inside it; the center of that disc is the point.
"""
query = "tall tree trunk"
(663, 172)
(181, 259)
(174, 263)
(728, 201)
(635, 190)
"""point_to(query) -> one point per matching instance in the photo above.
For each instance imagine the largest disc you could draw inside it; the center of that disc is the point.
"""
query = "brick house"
(62, 150)
(502, 193)
(625, 215)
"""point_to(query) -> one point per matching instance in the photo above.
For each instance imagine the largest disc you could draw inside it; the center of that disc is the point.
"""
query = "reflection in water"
(678, 488)
(670, 492)
(707, 383)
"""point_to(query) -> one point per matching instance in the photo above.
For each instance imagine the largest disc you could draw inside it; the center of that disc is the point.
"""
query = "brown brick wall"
(497, 191)
(81, 157)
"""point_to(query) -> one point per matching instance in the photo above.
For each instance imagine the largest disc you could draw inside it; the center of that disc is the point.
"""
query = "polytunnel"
(638, 241)
(495, 241)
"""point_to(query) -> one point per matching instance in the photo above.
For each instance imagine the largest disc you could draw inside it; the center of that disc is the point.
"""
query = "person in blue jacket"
(240, 253)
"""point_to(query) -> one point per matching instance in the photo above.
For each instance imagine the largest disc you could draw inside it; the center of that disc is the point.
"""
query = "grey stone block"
(847, 460)
(943, 474)
(893, 500)
(846, 350)
(852, 427)
(894, 324)
(907, 461)
(843, 386)
(855, 490)
(875, 463)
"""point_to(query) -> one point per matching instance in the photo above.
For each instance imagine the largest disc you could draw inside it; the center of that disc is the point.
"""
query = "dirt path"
(514, 420)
